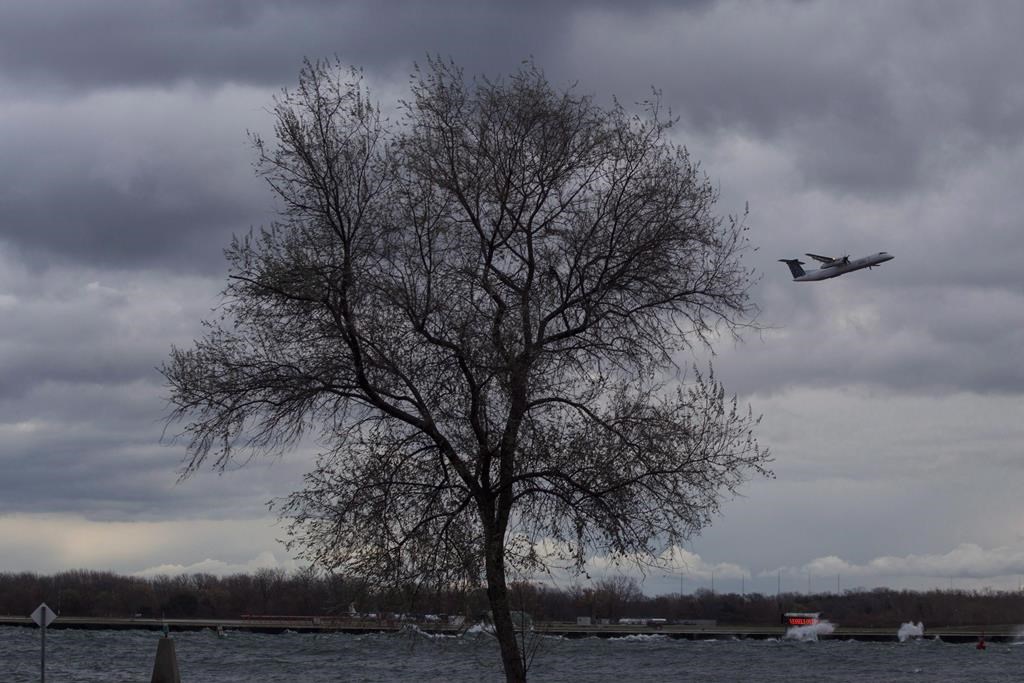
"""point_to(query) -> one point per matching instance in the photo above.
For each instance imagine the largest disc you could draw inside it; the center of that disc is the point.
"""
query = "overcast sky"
(891, 398)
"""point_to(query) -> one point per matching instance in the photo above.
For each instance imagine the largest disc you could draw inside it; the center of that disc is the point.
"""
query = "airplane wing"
(829, 261)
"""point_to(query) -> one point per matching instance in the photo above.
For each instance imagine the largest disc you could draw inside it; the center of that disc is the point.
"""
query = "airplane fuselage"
(842, 267)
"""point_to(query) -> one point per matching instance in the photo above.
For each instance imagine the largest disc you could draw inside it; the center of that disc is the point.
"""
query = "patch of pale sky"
(51, 543)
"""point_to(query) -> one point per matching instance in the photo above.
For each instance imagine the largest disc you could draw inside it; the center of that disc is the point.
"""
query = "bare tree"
(615, 591)
(475, 309)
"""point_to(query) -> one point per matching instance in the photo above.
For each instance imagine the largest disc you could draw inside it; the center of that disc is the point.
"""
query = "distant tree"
(268, 582)
(305, 591)
(613, 593)
(475, 310)
(181, 606)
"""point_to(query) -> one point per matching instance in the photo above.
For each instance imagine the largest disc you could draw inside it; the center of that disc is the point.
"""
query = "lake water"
(75, 656)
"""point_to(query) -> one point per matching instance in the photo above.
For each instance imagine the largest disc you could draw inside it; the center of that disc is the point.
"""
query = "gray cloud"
(864, 473)
(850, 128)
(905, 339)
(97, 223)
(140, 178)
(94, 450)
(71, 45)
(875, 99)
(81, 403)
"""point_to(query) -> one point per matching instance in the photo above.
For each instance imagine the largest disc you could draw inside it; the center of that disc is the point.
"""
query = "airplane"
(833, 267)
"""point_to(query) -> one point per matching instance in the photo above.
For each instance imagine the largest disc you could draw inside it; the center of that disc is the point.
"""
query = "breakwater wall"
(565, 630)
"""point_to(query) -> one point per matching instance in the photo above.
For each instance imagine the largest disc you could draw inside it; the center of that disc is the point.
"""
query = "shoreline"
(963, 634)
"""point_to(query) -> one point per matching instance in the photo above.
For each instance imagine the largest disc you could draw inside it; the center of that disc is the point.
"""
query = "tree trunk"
(501, 613)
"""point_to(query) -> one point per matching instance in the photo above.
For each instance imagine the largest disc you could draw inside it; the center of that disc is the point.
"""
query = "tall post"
(43, 616)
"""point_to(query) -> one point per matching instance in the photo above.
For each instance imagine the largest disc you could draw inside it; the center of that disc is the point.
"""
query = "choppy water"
(122, 656)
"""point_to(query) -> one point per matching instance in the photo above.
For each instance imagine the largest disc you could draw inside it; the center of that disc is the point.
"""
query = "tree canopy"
(477, 308)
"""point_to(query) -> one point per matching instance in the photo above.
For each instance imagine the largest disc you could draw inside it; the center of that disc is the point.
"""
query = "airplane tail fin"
(794, 266)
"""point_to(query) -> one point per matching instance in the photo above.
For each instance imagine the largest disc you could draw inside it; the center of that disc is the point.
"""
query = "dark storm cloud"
(160, 220)
(110, 154)
(850, 128)
(877, 98)
(881, 101)
(75, 45)
(92, 447)
(82, 405)
(136, 178)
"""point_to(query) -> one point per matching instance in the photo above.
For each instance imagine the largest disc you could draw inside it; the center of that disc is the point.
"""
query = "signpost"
(43, 616)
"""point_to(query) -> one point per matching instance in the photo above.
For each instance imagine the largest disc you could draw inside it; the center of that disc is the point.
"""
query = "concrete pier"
(165, 667)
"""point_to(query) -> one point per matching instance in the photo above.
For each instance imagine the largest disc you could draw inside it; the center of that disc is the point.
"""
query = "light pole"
(681, 576)
(679, 602)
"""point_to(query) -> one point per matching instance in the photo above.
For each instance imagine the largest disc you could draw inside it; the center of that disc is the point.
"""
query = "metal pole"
(42, 656)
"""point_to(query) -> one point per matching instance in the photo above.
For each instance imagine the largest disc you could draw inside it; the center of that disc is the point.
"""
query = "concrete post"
(165, 668)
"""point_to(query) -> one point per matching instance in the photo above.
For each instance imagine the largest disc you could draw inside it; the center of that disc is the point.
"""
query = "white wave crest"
(478, 629)
(910, 630)
(810, 632)
(414, 630)
(640, 638)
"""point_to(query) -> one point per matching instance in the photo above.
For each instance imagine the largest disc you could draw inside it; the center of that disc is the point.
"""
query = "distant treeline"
(83, 593)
